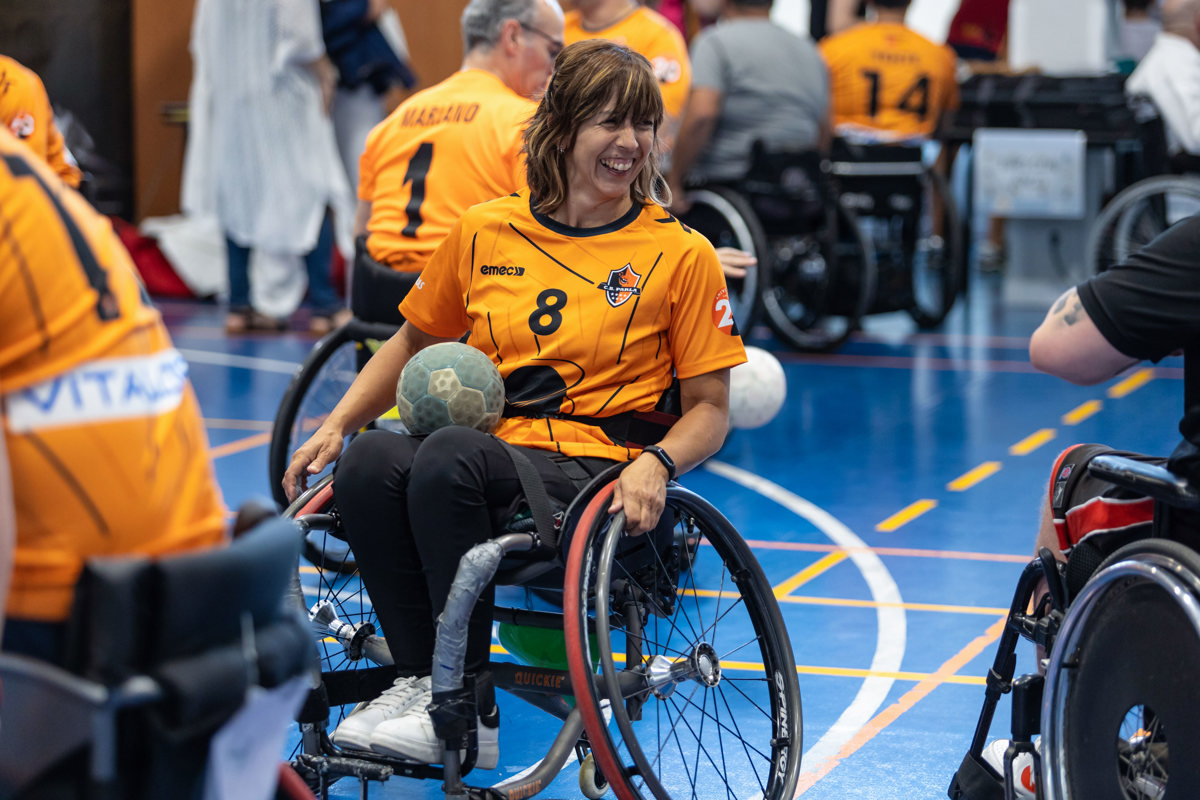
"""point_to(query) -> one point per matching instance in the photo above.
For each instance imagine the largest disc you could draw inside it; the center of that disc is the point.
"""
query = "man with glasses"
(458, 143)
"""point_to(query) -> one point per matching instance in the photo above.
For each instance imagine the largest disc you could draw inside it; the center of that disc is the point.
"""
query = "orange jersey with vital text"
(107, 447)
(588, 322)
(889, 78)
(440, 152)
(25, 110)
(647, 32)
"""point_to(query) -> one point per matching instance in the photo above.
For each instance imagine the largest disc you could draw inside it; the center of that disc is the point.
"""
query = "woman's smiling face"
(607, 156)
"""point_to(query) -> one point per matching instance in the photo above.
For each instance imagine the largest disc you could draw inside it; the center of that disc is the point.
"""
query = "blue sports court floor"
(892, 503)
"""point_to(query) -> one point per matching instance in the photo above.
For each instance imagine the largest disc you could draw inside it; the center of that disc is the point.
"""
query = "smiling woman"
(591, 300)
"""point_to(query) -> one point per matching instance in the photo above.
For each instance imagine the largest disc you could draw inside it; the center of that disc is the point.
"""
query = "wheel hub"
(701, 665)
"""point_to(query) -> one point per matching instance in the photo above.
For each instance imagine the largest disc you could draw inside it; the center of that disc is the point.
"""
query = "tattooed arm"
(1068, 344)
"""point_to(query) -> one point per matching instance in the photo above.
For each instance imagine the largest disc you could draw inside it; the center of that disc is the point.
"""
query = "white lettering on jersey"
(101, 391)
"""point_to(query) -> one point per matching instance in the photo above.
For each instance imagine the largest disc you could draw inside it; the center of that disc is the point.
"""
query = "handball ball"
(450, 383)
(757, 389)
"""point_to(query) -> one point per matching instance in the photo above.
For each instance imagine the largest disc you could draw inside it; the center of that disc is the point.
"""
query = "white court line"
(245, 362)
(891, 631)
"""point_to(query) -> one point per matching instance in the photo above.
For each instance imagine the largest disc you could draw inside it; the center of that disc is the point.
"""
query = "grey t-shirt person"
(774, 85)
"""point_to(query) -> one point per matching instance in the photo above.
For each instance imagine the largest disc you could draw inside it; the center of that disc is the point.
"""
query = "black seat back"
(204, 627)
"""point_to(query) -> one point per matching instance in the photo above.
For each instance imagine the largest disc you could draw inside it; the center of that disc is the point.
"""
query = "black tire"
(937, 266)
(1124, 716)
(820, 283)
(354, 661)
(729, 725)
(1137, 214)
(724, 217)
(315, 389)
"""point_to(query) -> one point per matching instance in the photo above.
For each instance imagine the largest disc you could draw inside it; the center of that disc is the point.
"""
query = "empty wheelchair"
(1137, 214)
(676, 676)
(333, 363)
(1117, 708)
(815, 276)
(907, 214)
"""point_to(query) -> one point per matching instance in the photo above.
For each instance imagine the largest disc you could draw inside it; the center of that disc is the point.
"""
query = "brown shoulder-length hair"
(587, 75)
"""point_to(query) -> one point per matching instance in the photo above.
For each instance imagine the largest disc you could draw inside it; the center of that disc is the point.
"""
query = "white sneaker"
(1024, 775)
(411, 737)
(355, 731)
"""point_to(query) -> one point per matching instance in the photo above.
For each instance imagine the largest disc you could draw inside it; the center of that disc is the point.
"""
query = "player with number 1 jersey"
(631, 300)
(887, 81)
(441, 151)
(103, 432)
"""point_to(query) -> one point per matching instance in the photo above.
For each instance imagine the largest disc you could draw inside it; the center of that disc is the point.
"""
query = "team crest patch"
(621, 285)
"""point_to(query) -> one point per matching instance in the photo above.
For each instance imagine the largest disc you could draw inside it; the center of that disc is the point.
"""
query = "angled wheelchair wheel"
(820, 283)
(937, 265)
(315, 389)
(725, 218)
(693, 655)
(1121, 715)
(355, 662)
(1136, 215)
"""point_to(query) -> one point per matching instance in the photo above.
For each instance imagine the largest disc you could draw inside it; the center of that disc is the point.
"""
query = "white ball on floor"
(757, 389)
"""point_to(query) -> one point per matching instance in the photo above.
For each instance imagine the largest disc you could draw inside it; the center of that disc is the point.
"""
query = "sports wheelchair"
(167, 662)
(676, 676)
(1117, 707)
(868, 229)
(1140, 212)
(329, 369)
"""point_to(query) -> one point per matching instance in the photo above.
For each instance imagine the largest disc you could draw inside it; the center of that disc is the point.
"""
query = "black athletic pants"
(412, 506)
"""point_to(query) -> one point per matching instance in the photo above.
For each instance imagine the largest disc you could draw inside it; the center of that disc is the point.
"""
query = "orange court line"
(963, 555)
(1131, 384)
(240, 445)
(905, 703)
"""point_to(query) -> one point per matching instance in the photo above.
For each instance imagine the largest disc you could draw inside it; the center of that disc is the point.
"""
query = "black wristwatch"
(662, 456)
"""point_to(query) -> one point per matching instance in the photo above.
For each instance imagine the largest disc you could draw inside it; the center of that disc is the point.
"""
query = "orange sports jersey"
(107, 448)
(587, 322)
(889, 78)
(647, 32)
(440, 152)
(25, 110)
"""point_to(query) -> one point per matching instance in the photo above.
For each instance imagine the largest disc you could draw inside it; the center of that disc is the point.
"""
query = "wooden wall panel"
(162, 71)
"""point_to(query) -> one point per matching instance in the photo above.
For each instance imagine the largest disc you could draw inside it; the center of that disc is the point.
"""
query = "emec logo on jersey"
(621, 285)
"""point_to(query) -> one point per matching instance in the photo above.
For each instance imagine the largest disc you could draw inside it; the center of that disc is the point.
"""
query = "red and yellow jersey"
(889, 78)
(440, 152)
(647, 32)
(587, 322)
(25, 110)
(107, 448)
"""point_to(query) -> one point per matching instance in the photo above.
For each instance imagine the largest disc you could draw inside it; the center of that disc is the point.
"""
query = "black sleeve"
(1149, 306)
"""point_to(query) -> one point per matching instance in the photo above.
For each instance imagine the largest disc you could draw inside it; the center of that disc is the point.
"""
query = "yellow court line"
(1080, 413)
(944, 674)
(825, 672)
(906, 515)
(981, 473)
(1032, 442)
(808, 573)
(848, 603)
(1131, 384)
(239, 445)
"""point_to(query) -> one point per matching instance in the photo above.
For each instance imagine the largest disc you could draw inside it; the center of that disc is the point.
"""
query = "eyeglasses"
(556, 45)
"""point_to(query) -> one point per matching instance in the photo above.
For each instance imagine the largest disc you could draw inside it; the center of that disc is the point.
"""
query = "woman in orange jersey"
(102, 428)
(605, 297)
